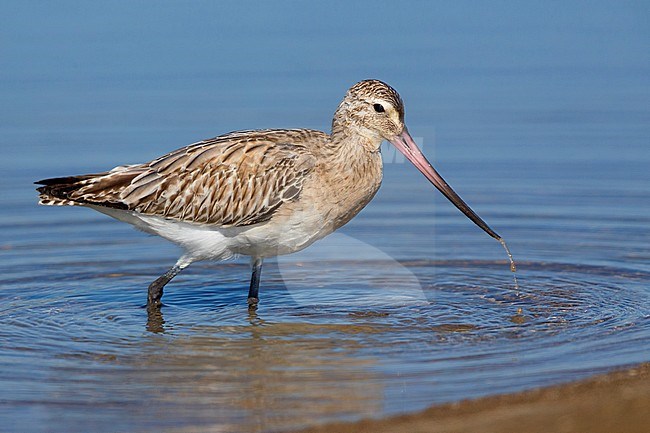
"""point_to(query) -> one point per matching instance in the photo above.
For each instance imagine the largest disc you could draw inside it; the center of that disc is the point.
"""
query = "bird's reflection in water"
(256, 375)
(155, 320)
(253, 318)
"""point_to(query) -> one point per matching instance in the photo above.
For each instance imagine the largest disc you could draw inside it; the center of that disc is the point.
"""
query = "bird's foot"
(252, 303)
(156, 305)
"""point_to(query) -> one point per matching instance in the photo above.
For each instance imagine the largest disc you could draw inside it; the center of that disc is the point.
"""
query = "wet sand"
(614, 402)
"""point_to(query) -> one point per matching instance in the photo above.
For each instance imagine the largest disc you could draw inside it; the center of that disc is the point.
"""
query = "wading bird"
(258, 193)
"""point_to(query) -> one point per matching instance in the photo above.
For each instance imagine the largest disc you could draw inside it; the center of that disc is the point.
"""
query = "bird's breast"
(329, 200)
(342, 192)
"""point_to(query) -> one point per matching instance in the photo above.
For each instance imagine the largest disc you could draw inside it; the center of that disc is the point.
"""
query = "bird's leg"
(156, 288)
(253, 292)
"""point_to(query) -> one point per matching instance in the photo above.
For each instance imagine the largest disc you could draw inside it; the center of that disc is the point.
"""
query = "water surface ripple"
(537, 116)
(357, 326)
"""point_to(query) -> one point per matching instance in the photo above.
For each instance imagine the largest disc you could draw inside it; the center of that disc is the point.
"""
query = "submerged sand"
(608, 403)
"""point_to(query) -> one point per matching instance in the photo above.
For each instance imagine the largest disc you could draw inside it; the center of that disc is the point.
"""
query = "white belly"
(204, 242)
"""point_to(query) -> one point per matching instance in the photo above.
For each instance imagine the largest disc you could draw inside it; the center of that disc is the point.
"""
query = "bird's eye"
(379, 108)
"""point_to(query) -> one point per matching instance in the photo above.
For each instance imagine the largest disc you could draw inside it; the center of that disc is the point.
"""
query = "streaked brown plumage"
(235, 179)
(260, 193)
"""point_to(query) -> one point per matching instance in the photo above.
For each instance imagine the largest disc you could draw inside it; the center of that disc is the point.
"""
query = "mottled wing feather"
(233, 180)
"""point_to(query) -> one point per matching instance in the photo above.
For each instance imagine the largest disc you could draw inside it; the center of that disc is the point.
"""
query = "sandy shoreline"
(613, 402)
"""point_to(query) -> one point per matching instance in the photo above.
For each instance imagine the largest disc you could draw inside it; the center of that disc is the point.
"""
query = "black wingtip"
(63, 180)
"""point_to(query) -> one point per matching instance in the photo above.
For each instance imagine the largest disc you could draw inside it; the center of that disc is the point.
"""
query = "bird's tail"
(101, 189)
(56, 191)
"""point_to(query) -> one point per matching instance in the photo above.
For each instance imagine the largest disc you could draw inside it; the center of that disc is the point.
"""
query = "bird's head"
(372, 111)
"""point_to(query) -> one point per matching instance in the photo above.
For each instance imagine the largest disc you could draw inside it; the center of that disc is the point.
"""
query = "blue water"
(539, 116)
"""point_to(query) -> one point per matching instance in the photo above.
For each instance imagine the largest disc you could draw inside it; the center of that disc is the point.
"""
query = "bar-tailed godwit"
(257, 193)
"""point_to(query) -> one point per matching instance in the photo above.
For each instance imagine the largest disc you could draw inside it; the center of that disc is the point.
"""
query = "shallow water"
(543, 129)
(358, 325)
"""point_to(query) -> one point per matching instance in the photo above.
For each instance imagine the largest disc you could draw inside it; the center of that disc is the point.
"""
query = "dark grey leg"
(156, 288)
(253, 292)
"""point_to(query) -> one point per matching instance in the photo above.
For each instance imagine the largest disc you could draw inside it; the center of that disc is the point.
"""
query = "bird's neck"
(350, 143)
(352, 173)
(348, 137)
(354, 152)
